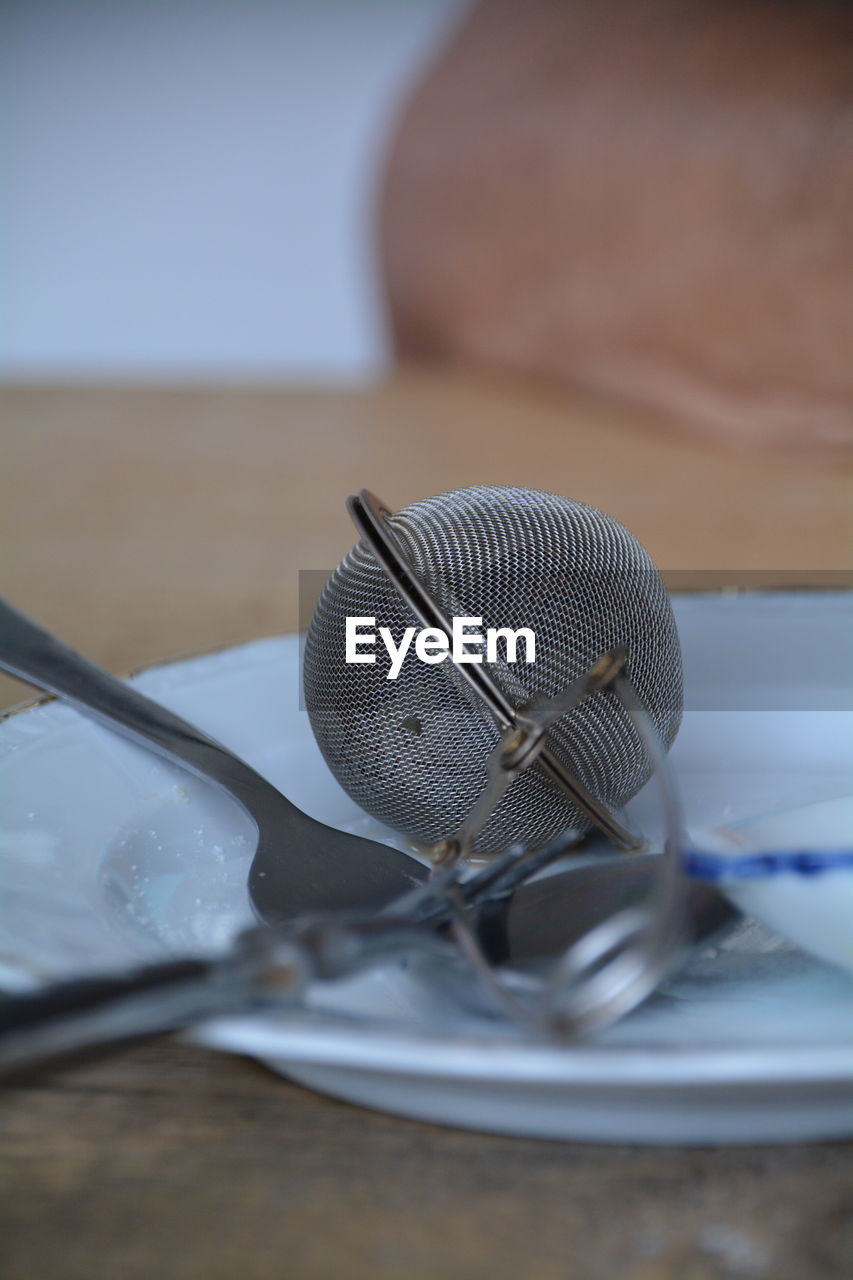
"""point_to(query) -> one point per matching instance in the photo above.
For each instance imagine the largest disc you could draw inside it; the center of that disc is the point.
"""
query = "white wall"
(187, 184)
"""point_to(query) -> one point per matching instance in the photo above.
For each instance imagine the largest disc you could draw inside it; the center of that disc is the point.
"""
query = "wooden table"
(146, 523)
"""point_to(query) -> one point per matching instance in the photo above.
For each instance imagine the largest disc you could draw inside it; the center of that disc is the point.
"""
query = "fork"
(300, 865)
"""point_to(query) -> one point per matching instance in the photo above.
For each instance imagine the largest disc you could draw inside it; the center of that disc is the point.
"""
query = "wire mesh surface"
(412, 751)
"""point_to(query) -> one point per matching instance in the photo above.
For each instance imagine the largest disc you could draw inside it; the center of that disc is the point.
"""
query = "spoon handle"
(33, 654)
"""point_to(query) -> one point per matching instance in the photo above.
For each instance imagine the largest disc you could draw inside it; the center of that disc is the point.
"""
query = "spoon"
(300, 865)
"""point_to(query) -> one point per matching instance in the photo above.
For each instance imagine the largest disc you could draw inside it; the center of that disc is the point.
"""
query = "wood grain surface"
(142, 524)
(145, 523)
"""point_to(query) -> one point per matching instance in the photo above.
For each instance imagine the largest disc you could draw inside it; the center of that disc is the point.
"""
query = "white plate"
(108, 855)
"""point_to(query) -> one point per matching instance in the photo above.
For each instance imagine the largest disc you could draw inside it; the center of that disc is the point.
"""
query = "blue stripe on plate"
(742, 866)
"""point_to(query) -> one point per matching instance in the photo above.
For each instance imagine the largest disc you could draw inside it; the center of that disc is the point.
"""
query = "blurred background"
(256, 256)
(189, 188)
(652, 202)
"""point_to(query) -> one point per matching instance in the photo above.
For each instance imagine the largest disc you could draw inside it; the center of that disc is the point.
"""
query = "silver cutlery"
(300, 864)
(525, 931)
(333, 903)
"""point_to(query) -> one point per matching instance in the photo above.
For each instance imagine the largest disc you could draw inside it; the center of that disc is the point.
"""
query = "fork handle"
(33, 654)
(96, 1014)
